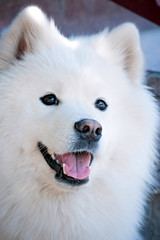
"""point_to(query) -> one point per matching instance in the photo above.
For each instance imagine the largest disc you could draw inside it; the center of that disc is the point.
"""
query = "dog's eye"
(101, 105)
(50, 99)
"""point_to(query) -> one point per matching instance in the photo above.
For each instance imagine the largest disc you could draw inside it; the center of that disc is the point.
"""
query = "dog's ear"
(125, 44)
(25, 34)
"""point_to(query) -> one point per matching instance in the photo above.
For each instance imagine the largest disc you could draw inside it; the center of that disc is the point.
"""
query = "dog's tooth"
(50, 152)
(64, 169)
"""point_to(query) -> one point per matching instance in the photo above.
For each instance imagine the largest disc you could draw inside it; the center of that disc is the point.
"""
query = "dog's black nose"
(89, 129)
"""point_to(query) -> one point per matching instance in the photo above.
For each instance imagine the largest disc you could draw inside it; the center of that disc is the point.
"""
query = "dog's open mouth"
(72, 167)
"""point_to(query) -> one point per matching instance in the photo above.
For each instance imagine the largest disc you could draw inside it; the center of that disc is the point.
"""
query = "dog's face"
(68, 102)
(61, 108)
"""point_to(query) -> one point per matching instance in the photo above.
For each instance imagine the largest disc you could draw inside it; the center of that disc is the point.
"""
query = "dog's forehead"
(61, 69)
(66, 72)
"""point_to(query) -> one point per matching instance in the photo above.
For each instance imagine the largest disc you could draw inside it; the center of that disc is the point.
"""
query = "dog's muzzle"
(74, 167)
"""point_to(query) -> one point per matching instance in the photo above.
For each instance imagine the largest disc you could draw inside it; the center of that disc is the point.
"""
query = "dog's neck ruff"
(72, 168)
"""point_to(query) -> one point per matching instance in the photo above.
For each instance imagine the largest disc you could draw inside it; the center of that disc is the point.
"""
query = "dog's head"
(66, 104)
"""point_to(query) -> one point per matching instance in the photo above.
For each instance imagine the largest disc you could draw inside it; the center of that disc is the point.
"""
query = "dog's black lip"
(60, 176)
(44, 150)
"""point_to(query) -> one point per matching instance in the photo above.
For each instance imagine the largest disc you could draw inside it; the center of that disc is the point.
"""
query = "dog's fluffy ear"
(27, 31)
(125, 43)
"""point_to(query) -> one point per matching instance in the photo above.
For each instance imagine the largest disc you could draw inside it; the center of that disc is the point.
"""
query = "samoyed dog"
(77, 133)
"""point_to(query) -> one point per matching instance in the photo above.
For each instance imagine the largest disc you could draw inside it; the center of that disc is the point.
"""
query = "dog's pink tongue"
(77, 166)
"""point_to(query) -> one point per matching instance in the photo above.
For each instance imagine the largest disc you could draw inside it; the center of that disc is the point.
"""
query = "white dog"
(77, 133)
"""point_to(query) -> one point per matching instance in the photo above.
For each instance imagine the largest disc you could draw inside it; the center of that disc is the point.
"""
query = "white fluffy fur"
(33, 205)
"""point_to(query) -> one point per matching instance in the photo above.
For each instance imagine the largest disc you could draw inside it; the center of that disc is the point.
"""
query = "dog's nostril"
(98, 131)
(86, 129)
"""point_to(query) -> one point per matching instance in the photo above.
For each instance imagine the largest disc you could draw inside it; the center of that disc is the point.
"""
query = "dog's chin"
(71, 168)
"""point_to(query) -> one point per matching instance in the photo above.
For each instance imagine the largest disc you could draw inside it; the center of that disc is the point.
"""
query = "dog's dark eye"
(50, 99)
(101, 105)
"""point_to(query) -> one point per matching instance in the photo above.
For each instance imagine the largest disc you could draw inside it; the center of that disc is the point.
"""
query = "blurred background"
(90, 16)
(80, 17)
